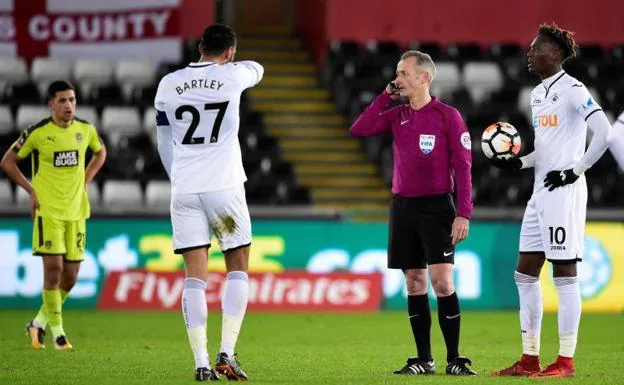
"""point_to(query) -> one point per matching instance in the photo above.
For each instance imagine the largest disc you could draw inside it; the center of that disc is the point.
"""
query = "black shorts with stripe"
(420, 231)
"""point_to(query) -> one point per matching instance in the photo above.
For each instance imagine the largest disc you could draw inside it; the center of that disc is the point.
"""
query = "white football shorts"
(554, 222)
(224, 213)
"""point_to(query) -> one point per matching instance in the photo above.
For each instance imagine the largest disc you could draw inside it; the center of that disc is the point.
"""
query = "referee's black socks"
(449, 318)
(420, 320)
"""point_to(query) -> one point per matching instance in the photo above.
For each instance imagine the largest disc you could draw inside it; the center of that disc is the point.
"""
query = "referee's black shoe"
(416, 366)
(205, 374)
(457, 367)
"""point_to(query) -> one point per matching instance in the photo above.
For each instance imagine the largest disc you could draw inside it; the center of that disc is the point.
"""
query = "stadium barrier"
(484, 262)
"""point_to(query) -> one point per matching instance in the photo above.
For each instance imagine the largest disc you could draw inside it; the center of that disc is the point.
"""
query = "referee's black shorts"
(420, 231)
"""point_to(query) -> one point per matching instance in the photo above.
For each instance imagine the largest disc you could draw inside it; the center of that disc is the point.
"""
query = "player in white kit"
(616, 141)
(554, 221)
(198, 121)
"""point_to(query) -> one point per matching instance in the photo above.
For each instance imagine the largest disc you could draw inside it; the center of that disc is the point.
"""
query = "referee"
(430, 143)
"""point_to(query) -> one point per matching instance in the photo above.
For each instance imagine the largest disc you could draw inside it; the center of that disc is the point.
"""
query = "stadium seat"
(384, 52)
(149, 125)
(517, 73)
(433, 49)
(131, 149)
(481, 78)
(28, 115)
(464, 52)
(462, 99)
(149, 119)
(23, 93)
(259, 142)
(591, 52)
(290, 193)
(88, 113)
(165, 68)
(94, 194)
(12, 71)
(132, 74)
(143, 96)
(107, 95)
(595, 94)
(121, 121)
(6, 193)
(386, 165)
(158, 193)
(6, 119)
(190, 51)
(503, 52)
(447, 78)
(45, 70)
(21, 197)
(344, 49)
(602, 190)
(8, 134)
(92, 72)
(341, 55)
(122, 193)
(524, 101)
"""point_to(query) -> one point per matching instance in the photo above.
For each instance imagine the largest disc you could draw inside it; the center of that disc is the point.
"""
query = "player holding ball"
(554, 221)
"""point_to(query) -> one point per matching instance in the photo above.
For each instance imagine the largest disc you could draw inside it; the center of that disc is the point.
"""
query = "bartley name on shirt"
(199, 83)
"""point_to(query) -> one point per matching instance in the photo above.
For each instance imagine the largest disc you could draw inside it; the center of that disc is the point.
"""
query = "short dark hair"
(562, 38)
(58, 86)
(217, 38)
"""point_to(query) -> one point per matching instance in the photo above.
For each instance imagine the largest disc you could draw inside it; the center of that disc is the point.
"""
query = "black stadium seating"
(466, 74)
(486, 83)
(118, 98)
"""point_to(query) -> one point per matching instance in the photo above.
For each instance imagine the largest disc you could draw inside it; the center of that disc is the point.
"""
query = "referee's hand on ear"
(393, 90)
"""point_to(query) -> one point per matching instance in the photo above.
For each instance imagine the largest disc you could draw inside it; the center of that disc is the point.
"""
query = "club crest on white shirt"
(426, 143)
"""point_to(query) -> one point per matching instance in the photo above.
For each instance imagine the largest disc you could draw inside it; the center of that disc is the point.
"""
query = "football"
(501, 140)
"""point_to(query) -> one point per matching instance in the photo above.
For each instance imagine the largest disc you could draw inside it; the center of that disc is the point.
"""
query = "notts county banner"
(79, 28)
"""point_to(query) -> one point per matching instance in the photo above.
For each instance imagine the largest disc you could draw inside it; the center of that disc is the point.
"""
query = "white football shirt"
(200, 103)
(560, 106)
(616, 141)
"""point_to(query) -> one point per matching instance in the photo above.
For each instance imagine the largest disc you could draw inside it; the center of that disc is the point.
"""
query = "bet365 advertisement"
(483, 271)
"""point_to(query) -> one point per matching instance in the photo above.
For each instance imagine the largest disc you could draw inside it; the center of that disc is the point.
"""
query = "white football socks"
(569, 315)
(233, 305)
(195, 311)
(531, 312)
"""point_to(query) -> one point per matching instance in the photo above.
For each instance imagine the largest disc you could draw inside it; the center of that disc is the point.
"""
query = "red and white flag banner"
(148, 29)
(286, 291)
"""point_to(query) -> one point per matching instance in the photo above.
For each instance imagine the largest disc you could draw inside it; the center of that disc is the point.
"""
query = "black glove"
(556, 178)
(507, 164)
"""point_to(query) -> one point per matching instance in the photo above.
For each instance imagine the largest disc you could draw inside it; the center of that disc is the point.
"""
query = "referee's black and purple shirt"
(429, 144)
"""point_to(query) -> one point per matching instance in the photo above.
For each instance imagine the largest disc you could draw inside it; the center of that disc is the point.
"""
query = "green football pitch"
(151, 348)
